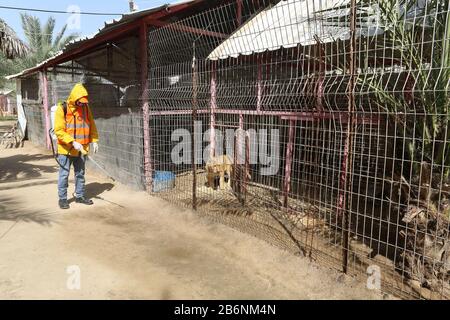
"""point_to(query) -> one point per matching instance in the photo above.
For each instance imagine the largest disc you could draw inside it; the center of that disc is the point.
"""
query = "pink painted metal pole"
(148, 166)
(343, 178)
(247, 166)
(241, 139)
(213, 111)
(345, 183)
(44, 83)
(239, 12)
(320, 88)
(259, 86)
(194, 119)
(54, 91)
(289, 160)
(241, 158)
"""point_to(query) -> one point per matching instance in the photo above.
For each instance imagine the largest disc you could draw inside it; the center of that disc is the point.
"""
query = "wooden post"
(1, 106)
(148, 167)
(44, 84)
(289, 161)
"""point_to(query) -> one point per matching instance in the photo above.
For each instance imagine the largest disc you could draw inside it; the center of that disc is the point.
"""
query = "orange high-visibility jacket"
(77, 125)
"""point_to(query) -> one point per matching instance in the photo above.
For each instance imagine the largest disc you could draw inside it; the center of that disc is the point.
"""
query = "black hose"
(55, 155)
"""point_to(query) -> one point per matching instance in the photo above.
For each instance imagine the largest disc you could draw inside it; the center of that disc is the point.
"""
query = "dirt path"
(131, 246)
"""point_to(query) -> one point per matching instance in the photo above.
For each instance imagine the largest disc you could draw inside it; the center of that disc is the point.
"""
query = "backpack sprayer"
(53, 138)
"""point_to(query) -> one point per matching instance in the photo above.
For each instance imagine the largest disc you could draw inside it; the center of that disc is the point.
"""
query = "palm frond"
(47, 32)
(67, 39)
(10, 44)
(32, 28)
(59, 36)
(42, 40)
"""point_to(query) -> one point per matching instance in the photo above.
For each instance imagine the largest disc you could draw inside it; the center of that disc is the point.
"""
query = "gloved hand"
(77, 146)
(95, 147)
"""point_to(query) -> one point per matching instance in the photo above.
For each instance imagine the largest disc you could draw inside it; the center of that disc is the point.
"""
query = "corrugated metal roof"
(288, 24)
(108, 27)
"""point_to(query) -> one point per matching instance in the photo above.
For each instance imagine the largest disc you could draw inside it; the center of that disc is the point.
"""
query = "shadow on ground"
(27, 185)
(18, 168)
(95, 190)
(10, 211)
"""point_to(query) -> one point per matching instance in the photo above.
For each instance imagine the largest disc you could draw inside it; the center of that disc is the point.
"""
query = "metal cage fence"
(338, 111)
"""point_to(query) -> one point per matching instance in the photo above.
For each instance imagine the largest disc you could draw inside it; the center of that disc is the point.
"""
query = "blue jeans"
(64, 171)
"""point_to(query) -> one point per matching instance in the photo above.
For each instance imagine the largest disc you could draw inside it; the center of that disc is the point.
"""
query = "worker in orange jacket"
(75, 130)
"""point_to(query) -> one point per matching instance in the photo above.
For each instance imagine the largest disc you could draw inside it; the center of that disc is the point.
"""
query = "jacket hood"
(78, 92)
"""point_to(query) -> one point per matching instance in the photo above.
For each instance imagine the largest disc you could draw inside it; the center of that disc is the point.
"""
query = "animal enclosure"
(340, 115)
(334, 115)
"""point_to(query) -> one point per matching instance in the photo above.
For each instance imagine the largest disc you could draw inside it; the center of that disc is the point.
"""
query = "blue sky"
(88, 24)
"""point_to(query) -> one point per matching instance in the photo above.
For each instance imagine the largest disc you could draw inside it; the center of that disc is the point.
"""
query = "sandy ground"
(133, 246)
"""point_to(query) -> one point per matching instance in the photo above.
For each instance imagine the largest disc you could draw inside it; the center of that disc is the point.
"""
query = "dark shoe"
(64, 204)
(85, 201)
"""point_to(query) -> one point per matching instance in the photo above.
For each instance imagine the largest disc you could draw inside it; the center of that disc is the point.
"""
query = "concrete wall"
(121, 145)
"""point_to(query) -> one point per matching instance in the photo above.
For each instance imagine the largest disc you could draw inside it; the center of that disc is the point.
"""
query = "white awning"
(290, 23)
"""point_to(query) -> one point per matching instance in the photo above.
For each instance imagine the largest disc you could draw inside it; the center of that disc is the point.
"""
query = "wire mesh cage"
(318, 125)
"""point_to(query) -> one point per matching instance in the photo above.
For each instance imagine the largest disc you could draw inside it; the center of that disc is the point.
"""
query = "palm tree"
(42, 40)
(11, 47)
(41, 45)
(10, 44)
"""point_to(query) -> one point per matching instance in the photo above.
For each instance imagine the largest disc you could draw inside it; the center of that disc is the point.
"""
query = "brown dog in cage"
(219, 171)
